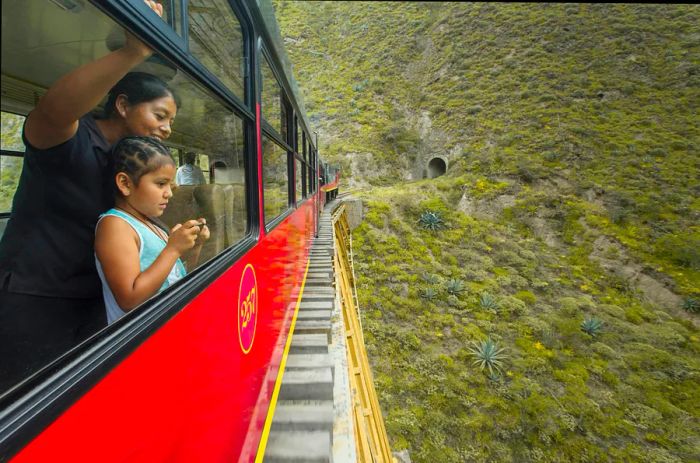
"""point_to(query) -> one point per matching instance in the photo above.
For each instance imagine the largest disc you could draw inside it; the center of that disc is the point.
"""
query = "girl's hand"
(136, 45)
(183, 236)
(204, 233)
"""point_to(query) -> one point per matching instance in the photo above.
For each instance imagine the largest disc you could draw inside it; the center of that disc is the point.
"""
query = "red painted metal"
(190, 393)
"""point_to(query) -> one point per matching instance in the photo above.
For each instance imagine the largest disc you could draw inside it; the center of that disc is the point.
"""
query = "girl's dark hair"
(138, 87)
(137, 156)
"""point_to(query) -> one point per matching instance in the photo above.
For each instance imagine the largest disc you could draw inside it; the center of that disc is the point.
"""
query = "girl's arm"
(117, 248)
(54, 120)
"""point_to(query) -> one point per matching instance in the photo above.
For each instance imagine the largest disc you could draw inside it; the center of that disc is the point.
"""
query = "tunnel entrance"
(436, 168)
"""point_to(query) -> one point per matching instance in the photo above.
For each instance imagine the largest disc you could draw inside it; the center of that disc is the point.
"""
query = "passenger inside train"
(189, 173)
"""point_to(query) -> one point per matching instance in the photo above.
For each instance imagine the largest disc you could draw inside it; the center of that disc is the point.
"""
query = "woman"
(50, 293)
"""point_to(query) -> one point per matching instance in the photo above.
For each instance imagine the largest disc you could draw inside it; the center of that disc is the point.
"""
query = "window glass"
(172, 14)
(10, 165)
(216, 40)
(271, 92)
(310, 180)
(298, 146)
(285, 122)
(298, 191)
(213, 185)
(275, 179)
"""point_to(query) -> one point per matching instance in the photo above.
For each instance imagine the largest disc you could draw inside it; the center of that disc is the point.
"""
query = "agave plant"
(488, 354)
(591, 326)
(431, 278)
(431, 221)
(454, 286)
(428, 293)
(488, 302)
(691, 304)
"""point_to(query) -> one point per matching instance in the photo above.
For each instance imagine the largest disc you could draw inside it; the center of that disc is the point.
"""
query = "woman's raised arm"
(55, 118)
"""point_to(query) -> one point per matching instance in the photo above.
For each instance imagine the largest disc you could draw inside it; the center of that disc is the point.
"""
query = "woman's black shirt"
(48, 246)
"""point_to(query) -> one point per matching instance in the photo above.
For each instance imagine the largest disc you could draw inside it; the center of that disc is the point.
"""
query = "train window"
(298, 191)
(214, 135)
(275, 179)
(310, 180)
(271, 98)
(216, 40)
(285, 112)
(297, 141)
(172, 14)
(10, 161)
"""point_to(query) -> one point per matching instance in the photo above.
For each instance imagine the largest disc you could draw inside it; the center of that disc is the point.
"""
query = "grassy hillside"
(626, 392)
(572, 195)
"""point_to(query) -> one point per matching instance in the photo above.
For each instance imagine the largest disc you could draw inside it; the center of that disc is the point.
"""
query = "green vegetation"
(431, 221)
(571, 195)
(691, 304)
(592, 326)
(488, 302)
(488, 355)
(455, 286)
(620, 386)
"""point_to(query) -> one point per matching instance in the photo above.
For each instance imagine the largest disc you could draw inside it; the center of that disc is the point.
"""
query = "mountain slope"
(571, 136)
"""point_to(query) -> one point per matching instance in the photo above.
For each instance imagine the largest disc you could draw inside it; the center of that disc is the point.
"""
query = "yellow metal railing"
(371, 440)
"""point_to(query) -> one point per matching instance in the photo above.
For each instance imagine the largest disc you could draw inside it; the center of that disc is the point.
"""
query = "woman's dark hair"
(137, 156)
(138, 87)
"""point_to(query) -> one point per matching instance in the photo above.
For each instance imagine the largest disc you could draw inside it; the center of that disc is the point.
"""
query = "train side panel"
(190, 393)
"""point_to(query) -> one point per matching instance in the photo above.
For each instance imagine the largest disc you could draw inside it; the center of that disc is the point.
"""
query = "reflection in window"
(216, 135)
(299, 177)
(275, 179)
(310, 181)
(271, 92)
(172, 14)
(216, 40)
(10, 166)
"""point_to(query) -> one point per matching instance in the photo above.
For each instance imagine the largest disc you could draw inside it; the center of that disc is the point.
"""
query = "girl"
(50, 293)
(135, 257)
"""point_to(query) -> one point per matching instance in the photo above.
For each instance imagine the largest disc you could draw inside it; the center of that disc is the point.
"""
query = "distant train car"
(189, 375)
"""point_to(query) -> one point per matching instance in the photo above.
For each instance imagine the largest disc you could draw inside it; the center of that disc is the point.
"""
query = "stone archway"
(436, 167)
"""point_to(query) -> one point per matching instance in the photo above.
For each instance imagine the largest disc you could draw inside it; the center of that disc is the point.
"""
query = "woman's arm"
(117, 248)
(55, 118)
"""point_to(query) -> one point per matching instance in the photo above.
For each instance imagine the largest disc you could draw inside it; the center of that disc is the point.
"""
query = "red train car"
(191, 374)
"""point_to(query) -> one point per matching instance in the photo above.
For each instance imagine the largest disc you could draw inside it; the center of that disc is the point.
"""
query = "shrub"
(488, 354)
(691, 304)
(488, 302)
(431, 278)
(454, 286)
(428, 293)
(591, 326)
(431, 221)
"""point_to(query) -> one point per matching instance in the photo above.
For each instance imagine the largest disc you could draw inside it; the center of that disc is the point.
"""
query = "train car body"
(190, 375)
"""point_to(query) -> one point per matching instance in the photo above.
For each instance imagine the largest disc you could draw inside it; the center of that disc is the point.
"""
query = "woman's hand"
(183, 236)
(136, 45)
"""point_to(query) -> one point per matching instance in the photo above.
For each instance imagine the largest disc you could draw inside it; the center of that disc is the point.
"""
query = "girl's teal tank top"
(150, 249)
